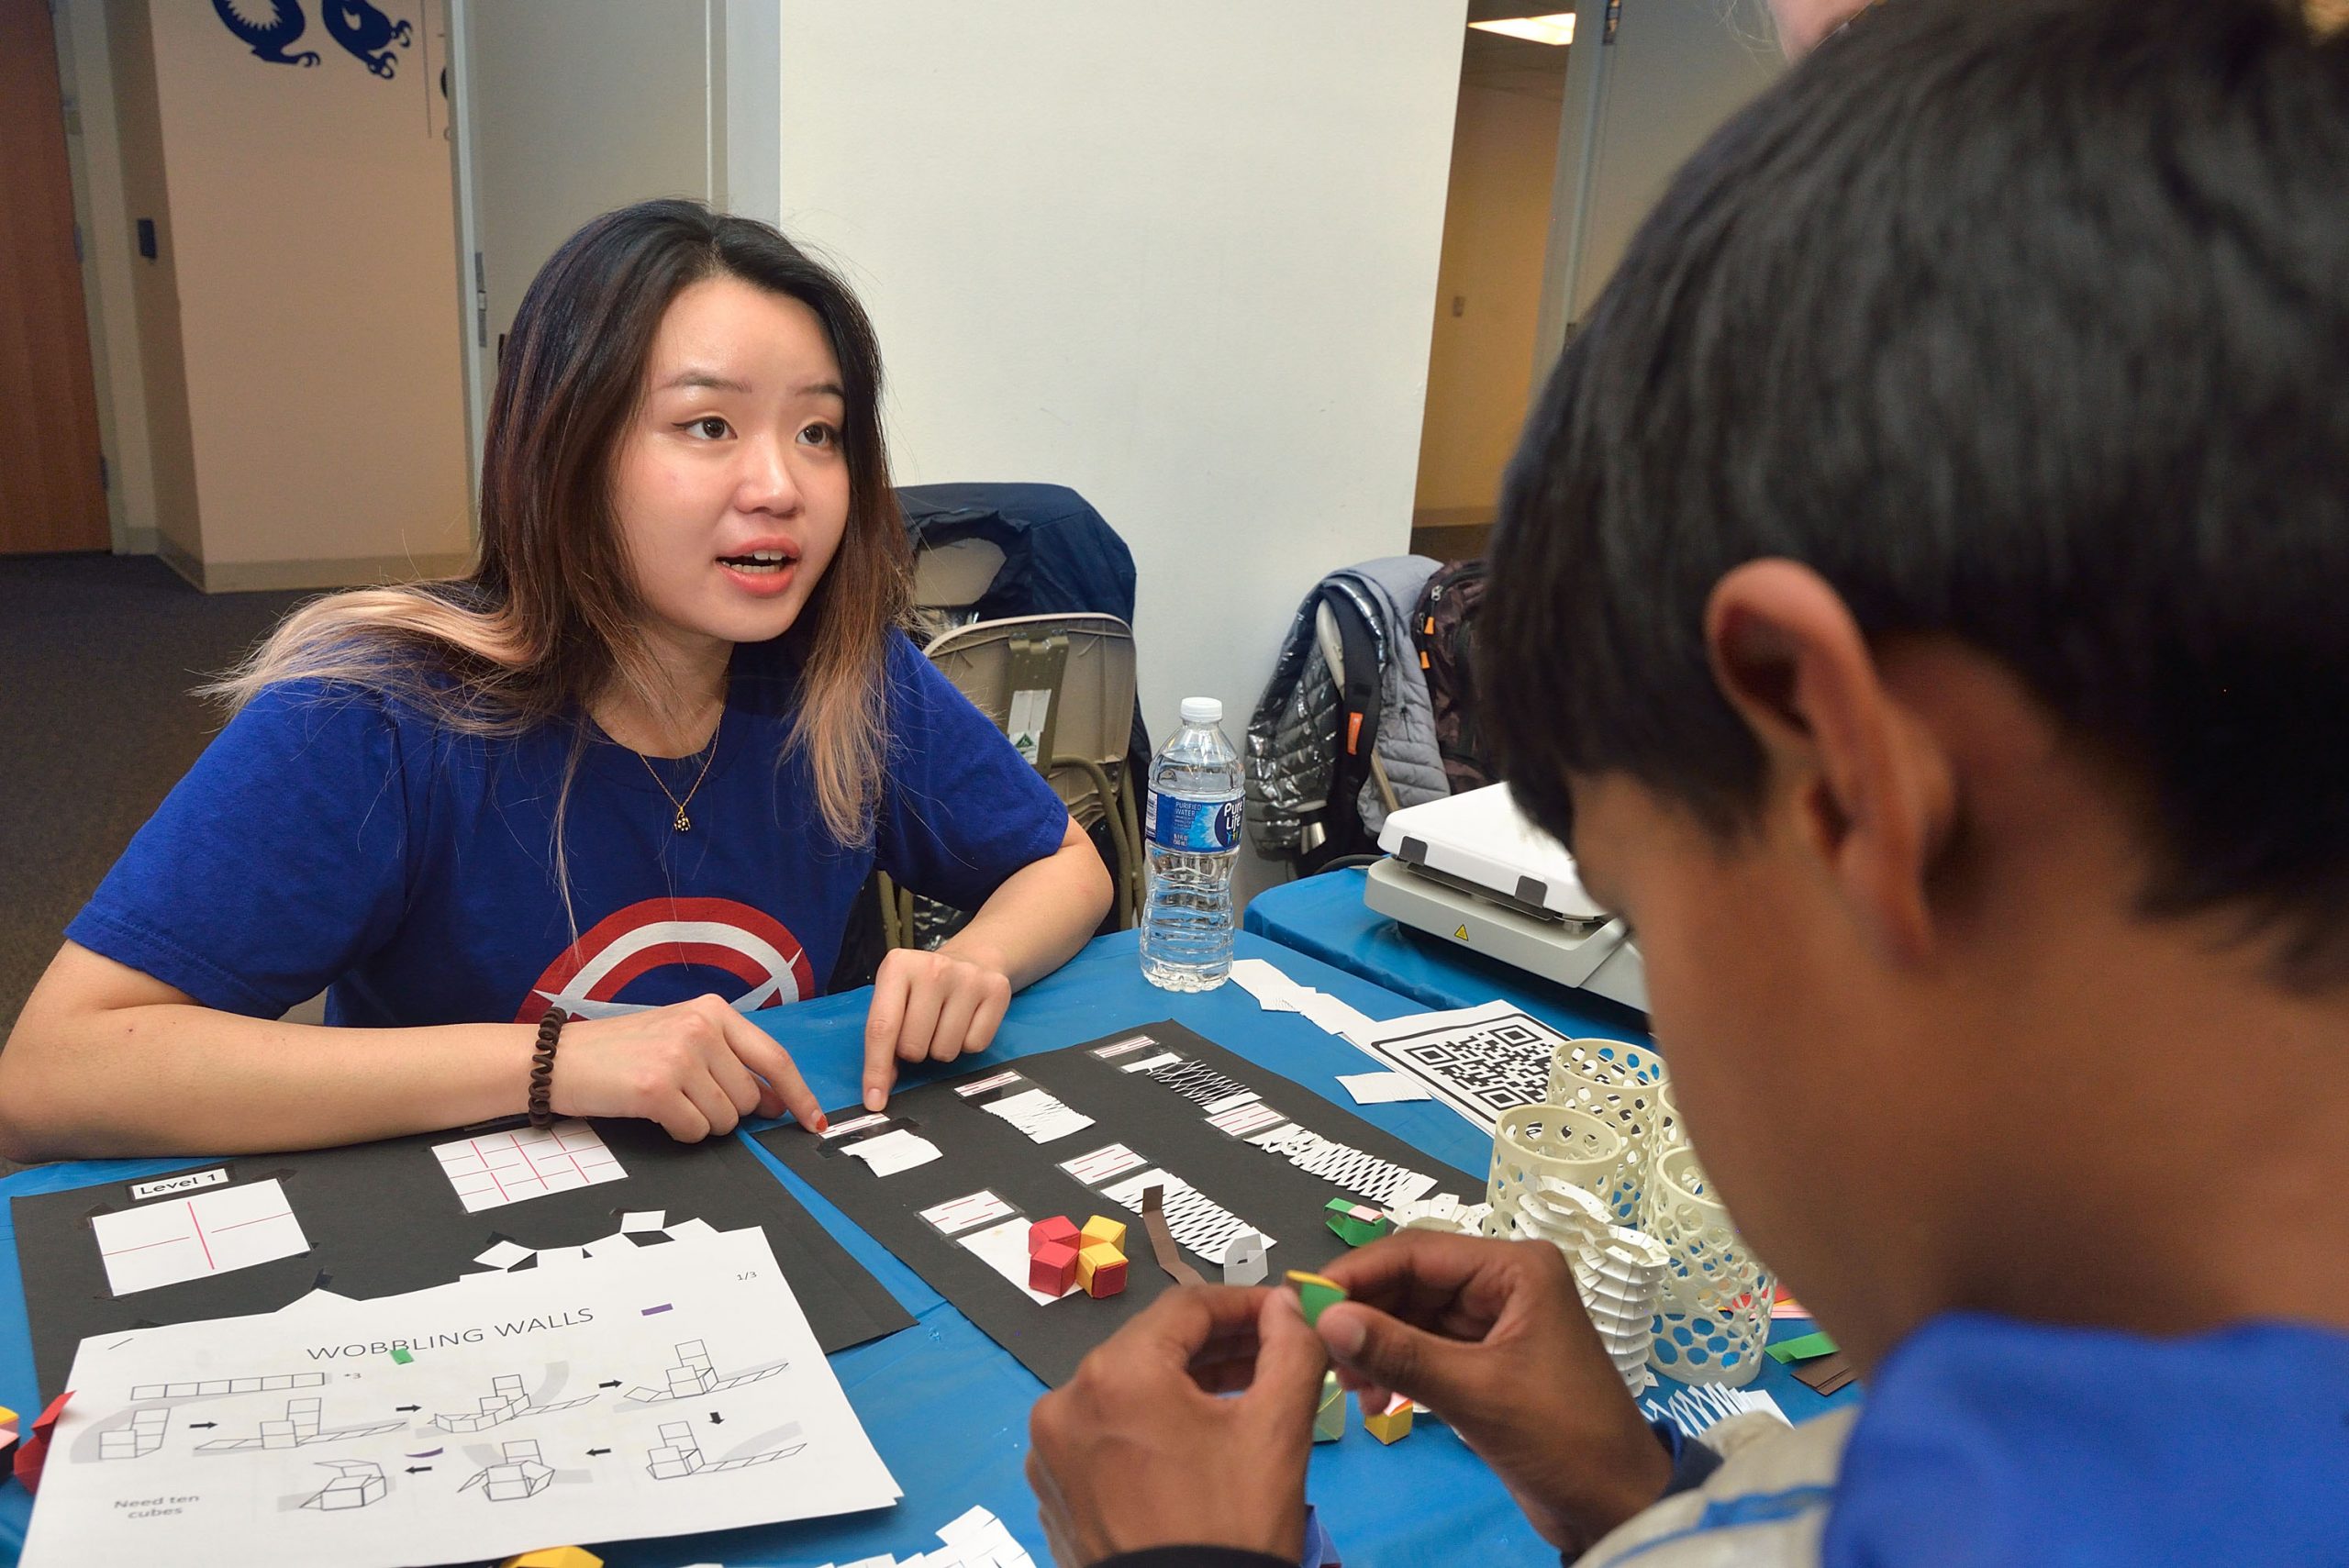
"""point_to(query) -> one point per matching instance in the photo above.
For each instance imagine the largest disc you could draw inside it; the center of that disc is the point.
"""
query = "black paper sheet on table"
(1168, 1114)
(382, 1219)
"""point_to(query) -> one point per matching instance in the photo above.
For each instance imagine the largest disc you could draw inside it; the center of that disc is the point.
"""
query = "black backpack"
(1444, 628)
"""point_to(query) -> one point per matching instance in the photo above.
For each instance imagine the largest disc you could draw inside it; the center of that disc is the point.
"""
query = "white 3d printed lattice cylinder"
(1714, 1318)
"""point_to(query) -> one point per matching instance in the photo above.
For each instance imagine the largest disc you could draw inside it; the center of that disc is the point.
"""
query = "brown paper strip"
(1162, 1240)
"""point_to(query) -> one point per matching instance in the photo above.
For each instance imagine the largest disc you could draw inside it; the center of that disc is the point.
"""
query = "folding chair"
(1062, 687)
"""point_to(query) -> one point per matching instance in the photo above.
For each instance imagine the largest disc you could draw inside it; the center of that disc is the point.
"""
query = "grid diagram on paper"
(696, 1374)
(499, 1168)
(189, 1238)
(679, 1454)
(1480, 1069)
(301, 1427)
(217, 1385)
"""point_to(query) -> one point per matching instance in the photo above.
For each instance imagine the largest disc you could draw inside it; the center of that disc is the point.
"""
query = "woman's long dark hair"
(549, 618)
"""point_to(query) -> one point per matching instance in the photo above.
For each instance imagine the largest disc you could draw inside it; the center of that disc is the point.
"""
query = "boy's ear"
(1869, 786)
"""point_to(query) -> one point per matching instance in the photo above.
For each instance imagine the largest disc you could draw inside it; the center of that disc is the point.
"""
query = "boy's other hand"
(1492, 1337)
(698, 1068)
(1139, 1450)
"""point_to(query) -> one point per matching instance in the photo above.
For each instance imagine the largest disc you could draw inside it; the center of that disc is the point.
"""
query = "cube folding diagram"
(679, 1453)
(356, 1483)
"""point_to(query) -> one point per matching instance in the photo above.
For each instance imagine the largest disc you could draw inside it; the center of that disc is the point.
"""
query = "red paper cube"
(1101, 1269)
(1051, 1268)
(1057, 1231)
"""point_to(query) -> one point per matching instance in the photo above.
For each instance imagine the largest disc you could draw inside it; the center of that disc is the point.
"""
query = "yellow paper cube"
(1390, 1425)
(555, 1557)
(1101, 1230)
(1101, 1269)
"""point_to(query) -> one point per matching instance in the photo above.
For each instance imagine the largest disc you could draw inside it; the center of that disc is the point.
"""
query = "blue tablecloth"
(1325, 918)
(947, 1408)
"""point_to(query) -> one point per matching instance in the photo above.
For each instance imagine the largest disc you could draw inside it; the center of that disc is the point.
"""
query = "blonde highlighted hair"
(549, 618)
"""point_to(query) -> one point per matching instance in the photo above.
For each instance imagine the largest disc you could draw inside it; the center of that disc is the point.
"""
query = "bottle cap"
(1202, 710)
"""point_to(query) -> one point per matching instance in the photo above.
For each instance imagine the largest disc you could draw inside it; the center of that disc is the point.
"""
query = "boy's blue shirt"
(329, 838)
(1987, 1441)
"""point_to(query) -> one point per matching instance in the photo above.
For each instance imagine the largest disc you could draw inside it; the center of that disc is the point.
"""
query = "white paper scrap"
(893, 1151)
(1383, 1088)
(642, 1220)
(504, 1255)
(1274, 992)
(692, 1230)
(499, 1168)
(1277, 993)
(210, 1232)
(304, 1476)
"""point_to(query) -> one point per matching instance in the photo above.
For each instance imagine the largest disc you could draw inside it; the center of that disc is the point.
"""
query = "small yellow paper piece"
(1390, 1425)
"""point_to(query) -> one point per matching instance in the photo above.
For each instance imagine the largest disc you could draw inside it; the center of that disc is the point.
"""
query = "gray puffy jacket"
(1292, 750)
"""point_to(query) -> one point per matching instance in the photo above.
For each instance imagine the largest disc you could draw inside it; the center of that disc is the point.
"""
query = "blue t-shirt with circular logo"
(331, 838)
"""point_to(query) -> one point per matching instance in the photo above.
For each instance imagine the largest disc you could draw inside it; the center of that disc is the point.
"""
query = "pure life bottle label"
(1198, 826)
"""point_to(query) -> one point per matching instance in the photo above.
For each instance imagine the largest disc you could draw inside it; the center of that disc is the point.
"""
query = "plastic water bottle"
(1193, 827)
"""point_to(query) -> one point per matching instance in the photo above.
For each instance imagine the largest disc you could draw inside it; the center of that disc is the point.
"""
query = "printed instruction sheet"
(647, 1391)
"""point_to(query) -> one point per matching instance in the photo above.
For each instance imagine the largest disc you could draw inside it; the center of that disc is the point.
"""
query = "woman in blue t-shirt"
(633, 770)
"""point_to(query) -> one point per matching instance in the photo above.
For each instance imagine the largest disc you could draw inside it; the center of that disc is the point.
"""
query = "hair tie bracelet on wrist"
(542, 1067)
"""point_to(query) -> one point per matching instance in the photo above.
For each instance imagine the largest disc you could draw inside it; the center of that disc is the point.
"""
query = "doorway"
(53, 495)
(1489, 281)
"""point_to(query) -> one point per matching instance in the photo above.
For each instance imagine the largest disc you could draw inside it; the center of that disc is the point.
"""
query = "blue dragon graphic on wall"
(267, 27)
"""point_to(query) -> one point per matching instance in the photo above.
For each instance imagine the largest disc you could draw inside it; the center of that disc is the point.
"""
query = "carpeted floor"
(96, 657)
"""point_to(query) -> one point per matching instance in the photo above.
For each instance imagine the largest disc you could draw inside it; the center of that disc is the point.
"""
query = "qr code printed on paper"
(1488, 1067)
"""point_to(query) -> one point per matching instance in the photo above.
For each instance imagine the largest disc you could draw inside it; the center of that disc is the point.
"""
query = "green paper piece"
(1803, 1349)
(1314, 1294)
(399, 1354)
(1355, 1224)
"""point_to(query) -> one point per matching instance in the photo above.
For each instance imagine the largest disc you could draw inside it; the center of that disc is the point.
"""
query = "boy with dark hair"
(1918, 599)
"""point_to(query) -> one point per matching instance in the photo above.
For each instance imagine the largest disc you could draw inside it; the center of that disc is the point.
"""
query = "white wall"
(1176, 257)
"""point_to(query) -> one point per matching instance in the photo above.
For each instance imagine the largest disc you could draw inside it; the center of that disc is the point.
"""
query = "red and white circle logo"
(708, 933)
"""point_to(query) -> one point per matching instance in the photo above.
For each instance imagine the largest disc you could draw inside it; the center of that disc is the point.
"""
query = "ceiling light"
(1558, 27)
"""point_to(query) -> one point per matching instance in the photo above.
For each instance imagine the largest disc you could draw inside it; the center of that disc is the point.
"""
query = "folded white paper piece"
(1383, 1088)
(893, 1151)
(643, 1220)
(343, 1471)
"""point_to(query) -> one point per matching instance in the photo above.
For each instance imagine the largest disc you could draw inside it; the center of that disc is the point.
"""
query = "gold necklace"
(684, 824)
